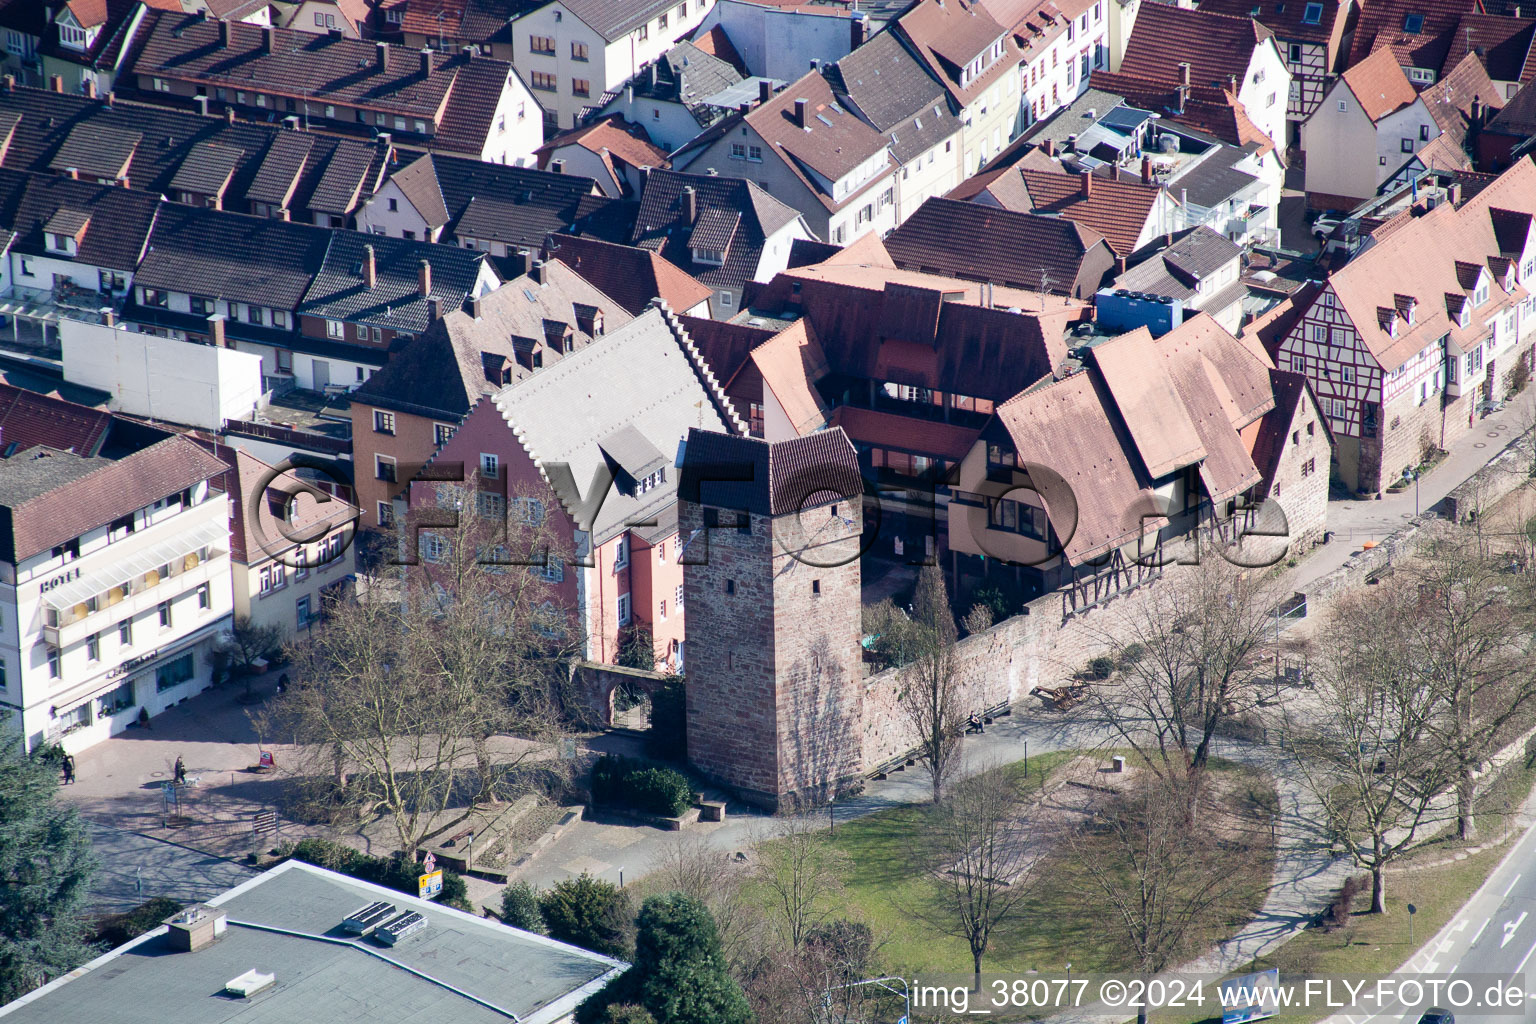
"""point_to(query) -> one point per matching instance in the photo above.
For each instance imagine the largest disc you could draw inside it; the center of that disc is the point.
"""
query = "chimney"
(111, 97)
(1183, 86)
(1453, 193)
(108, 317)
(10, 83)
(858, 29)
(197, 927)
(381, 55)
(89, 88)
(216, 331)
(1232, 82)
(434, 309)
(801, 106)
(557, 167)
(223, 35)
(73, 172)
(536, 271)
(690, 204)
(1088, 185)
(474, 307)
(1048, 147)
(56, 83)
(1184, 70)
(1114, 171)
(426, 62)
(764, 91)
(370, 268)
(522, 260)
(229, 115)
(645, 176)
(284, 215)
(267, 33)
(815, 64)
(201, 102)
(1146, 169)
(1119, 265)
(424, 278)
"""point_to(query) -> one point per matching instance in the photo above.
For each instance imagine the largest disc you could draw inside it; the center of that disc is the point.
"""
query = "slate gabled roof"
(735, 217)
(442, 374)
(782, 477)
(219, 255)
(57, 130)
(338, 291)
(120, 219)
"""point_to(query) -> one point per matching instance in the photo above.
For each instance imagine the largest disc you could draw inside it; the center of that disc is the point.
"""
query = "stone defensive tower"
(772, 535)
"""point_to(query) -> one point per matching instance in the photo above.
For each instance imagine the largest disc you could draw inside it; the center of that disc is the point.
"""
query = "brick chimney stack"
(690, 204)
(370, 267)
(223, 35)
(424, 278)
(381, 55)
(1146, 169)
(426, 62)
(56, 83)
(801, 112)
(1088, 185)
(268, 33)
(764, 91)
(216, 333)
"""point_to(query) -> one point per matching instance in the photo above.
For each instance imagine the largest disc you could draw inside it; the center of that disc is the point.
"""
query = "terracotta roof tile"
(1380, 85)
(1144, 394)
(1217, 46)
(781, 477)
(1385, 24)
(1503, 43)
(632, 276)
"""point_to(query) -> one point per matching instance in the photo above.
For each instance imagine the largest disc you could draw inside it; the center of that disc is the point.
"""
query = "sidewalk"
(1354, 521)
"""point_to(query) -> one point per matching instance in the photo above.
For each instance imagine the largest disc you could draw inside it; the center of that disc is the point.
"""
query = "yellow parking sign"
(430, 884)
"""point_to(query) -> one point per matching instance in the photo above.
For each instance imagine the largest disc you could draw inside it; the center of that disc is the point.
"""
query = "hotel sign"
(62, 578)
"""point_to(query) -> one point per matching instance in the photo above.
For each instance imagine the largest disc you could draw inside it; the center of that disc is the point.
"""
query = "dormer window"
(60, 243)
(1480, 293)
(1313, 15)
(71, 35)
(713, 257)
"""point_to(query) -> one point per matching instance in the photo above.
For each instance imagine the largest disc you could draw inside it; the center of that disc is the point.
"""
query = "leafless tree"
(1186, 654)
(689, 864)
(930, 698)
(435, 682)
(977, 849)
(802, 874)
(1372, 758)
(1468, 644)
(1156, 878)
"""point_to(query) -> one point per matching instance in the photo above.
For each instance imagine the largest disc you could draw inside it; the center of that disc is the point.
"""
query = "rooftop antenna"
(1045, 281)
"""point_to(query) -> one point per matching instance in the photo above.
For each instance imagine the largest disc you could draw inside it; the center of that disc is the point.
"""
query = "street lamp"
(1409, 476)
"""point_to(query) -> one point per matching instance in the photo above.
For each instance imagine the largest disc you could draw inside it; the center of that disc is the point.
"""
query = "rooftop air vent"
(249, 984)
(365, 920)
(407, 924)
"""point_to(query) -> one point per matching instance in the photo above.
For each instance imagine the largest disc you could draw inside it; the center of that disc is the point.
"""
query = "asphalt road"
(135, 868)
(1493, 934)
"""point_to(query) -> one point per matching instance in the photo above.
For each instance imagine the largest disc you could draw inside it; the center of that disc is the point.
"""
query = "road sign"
(267, 760)
(430, 884)
(429, 863)
(264, 821)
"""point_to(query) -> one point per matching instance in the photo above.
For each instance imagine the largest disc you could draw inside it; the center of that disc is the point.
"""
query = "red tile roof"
(1217, 46)
(28, 419)
(1118, 210)
(948, 34)
(631, 276)
(1504, 44)
(1285, 18)
(1384, 24)
(1380, 85)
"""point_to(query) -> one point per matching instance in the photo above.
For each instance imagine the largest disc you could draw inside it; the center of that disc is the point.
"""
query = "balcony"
(130, 576)
(74, 627)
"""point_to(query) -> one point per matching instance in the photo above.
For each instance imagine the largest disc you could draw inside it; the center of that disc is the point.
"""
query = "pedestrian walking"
(179, 773)
(69, 770)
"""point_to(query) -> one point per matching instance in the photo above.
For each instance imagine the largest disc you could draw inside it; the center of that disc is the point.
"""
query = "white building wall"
(1337, 138)
(781, 42)
(51, 707)
(668, 124)
(1266, 90)
(1399, 135)
(608, 63)
(162, 378)
(376, 217)
(517, 128)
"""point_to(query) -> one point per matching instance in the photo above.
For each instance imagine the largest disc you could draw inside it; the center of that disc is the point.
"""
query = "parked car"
(1435, 1015)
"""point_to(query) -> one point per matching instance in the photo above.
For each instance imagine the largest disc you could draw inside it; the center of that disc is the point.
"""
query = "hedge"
(391, 872)
(626, 782)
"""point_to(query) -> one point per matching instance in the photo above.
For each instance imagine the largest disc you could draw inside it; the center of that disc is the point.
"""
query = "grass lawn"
(884, 887)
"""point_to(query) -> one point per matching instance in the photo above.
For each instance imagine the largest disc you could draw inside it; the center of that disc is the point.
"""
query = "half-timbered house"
(1405, 343)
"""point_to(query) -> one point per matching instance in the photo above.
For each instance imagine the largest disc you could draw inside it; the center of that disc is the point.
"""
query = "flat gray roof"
(286, 922)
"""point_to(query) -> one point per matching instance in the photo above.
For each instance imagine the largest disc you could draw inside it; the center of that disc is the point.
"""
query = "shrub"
(1101, 667)
(629, 1013)
(391, 872)
(120, 928)
(1131, 654)
(520, 907)
(978, 619)
(1343, 903)
(626, 782)
(590, 913)
(668, 738)
(637, 649)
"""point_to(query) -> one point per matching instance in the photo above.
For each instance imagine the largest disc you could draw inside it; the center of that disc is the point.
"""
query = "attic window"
(713, 257)
(1413, 24)
(1313, 15)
